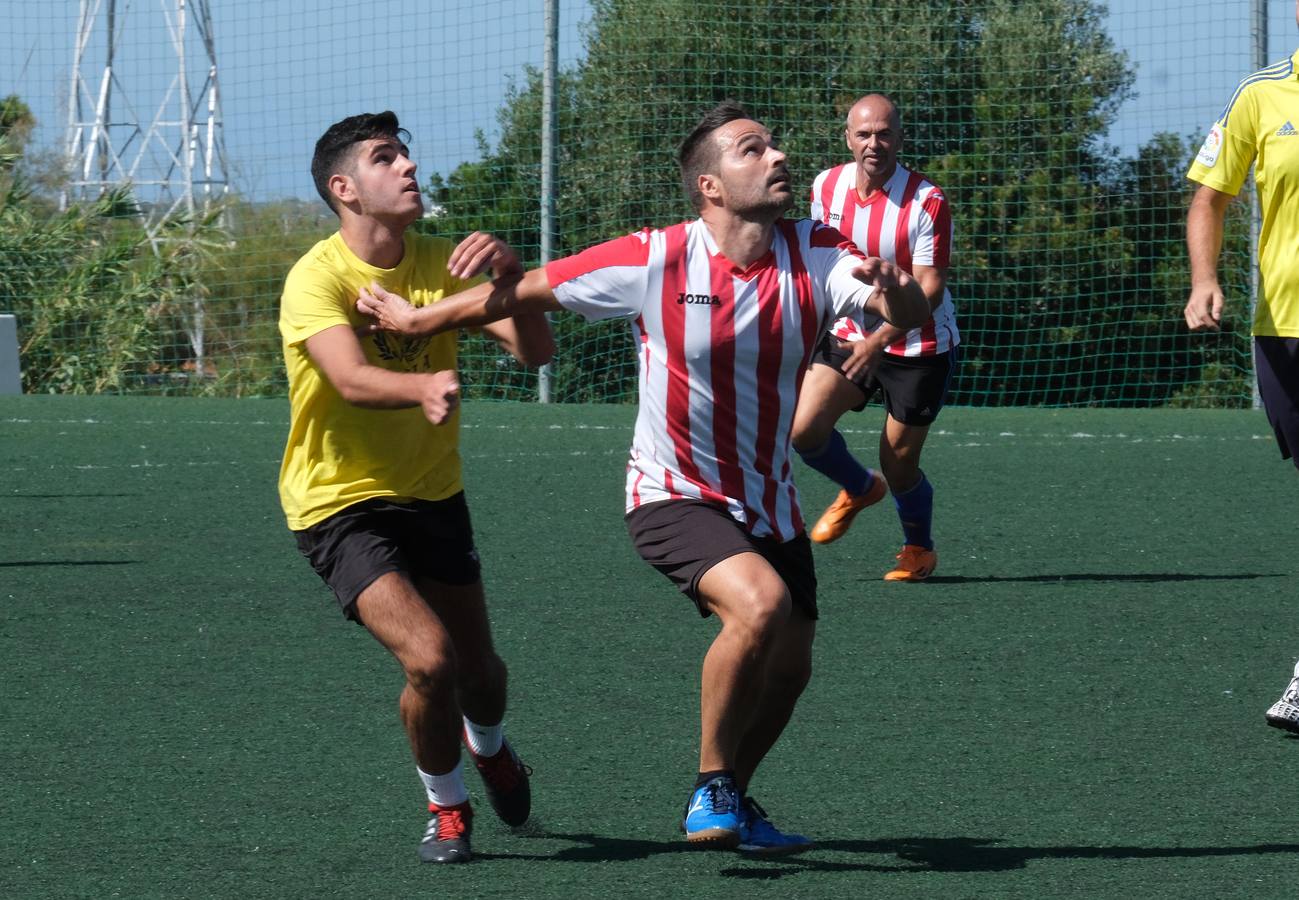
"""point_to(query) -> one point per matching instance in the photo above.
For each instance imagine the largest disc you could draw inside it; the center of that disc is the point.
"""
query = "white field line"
(1117, 437)
(279, 423)
(273, 463)
(961, 439)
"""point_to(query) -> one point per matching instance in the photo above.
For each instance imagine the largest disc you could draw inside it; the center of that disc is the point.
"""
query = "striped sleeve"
(832, 259)
(607, 281)
(933, 240)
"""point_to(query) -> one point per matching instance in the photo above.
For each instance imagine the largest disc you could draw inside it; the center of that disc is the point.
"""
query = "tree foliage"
(1068, 270)
(84, 289)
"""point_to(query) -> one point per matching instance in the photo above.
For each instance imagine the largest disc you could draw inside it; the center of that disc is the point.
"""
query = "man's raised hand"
(879, 273)
(901, 300)
(863, 357)
(480, 252)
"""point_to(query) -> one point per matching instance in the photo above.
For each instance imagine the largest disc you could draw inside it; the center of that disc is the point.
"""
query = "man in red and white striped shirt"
(726, 311)
(893, 213)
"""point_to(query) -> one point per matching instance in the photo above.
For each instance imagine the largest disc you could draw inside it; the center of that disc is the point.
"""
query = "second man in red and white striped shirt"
(899, 215)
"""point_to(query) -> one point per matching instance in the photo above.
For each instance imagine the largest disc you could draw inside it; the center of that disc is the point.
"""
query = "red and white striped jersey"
(721, 356)
(907, 223)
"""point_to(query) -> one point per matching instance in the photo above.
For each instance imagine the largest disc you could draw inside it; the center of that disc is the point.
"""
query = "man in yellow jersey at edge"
(1260, 125)
(370, 482)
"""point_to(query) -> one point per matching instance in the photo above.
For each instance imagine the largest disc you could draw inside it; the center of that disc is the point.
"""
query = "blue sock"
(916, 510)
(835, 462)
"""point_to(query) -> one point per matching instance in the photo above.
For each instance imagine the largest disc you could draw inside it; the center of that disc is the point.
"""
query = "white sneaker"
(1284, 713)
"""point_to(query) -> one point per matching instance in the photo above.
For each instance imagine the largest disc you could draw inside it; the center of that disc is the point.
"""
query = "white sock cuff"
(484, 740)
(447, 789)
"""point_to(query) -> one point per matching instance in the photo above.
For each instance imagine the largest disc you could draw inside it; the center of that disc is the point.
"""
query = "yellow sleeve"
(1228, 150)
(313, 300)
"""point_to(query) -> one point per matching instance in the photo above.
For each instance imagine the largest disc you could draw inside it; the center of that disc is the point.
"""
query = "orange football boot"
(914, 564)
(838, 516)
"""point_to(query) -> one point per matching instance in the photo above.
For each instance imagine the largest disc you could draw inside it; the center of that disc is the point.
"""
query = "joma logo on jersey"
(835, 217)
(699, 299)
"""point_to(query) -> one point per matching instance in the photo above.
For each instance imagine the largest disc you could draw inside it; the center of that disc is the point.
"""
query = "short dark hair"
(337, 145)
(698, 155)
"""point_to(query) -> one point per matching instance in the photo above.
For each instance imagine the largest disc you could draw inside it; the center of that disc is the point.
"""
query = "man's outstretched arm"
(525, 336)
(480, 305)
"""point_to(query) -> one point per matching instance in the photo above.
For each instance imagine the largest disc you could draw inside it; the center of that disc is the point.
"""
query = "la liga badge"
(1208, 155)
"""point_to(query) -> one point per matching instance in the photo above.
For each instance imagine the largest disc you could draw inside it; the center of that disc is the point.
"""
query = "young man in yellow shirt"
(1258, 127)
(371, 480)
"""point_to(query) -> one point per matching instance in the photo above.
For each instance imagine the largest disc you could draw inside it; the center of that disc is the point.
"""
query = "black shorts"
(683, 539)
(914, 387)
(353, 547)
(1276, 364)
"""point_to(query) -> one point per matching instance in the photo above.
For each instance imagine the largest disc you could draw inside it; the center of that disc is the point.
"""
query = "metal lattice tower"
(172, 162)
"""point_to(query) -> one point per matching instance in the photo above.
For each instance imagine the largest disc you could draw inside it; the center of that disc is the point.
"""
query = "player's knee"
(810, 432)
(907, 457)
(432, 674)
(760, 611)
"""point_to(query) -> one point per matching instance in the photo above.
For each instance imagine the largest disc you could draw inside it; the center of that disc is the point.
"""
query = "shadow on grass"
(962, 854)
(59, 496)
(913, 854)
(1138, 578)
(68, 562)
(595, 848)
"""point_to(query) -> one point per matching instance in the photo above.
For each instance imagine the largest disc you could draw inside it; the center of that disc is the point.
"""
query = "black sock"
(705, 777)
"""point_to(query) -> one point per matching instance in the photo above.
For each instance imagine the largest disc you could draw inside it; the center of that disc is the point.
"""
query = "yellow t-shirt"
(339, 454)
(1261, 126)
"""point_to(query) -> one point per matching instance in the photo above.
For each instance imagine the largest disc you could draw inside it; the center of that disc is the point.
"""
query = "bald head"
(877, 107)
(873, 132)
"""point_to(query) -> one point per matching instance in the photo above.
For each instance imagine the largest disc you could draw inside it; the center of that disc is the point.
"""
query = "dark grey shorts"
(683, 539)
(914, 387)
(353, 547)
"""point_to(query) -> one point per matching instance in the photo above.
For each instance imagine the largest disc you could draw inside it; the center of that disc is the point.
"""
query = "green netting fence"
(154, 187)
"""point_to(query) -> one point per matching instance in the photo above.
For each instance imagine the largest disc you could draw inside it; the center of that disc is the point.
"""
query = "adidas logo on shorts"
(1286, 130)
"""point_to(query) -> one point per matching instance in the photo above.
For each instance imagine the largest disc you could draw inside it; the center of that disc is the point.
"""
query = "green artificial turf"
(1072, 706)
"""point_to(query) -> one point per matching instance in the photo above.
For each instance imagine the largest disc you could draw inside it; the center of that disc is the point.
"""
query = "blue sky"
(289, 67)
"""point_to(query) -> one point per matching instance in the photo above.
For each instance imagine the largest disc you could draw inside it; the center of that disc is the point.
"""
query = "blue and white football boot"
(758, 835)
(714, 817)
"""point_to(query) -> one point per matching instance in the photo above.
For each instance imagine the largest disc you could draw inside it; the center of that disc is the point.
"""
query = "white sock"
(445, 790)
(484, 740)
